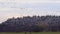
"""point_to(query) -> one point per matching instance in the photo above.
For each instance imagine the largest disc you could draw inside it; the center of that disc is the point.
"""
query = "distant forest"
(31, 24)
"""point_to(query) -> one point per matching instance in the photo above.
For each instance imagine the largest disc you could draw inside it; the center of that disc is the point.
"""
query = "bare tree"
(44, 25)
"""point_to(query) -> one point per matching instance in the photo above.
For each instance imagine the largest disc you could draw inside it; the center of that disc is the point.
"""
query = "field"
(29, 33)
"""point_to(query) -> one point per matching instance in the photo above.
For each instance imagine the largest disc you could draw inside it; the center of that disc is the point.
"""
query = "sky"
(20, 8)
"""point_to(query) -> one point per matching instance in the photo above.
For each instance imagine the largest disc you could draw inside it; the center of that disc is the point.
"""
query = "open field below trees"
(29, 33)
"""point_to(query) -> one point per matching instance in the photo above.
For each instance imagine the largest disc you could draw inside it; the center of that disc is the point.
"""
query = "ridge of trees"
(31, 24)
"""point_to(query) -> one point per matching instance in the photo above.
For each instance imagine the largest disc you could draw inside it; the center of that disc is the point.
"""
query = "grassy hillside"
(29, 33)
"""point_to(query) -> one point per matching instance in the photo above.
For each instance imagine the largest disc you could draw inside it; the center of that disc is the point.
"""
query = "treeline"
(31, 24)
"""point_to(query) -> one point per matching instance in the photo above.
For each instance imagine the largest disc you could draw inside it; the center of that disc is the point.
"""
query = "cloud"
(30, 1)
(23, 3)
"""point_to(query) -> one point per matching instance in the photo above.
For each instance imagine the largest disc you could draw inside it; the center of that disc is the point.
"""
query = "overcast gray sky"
(19, 8)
